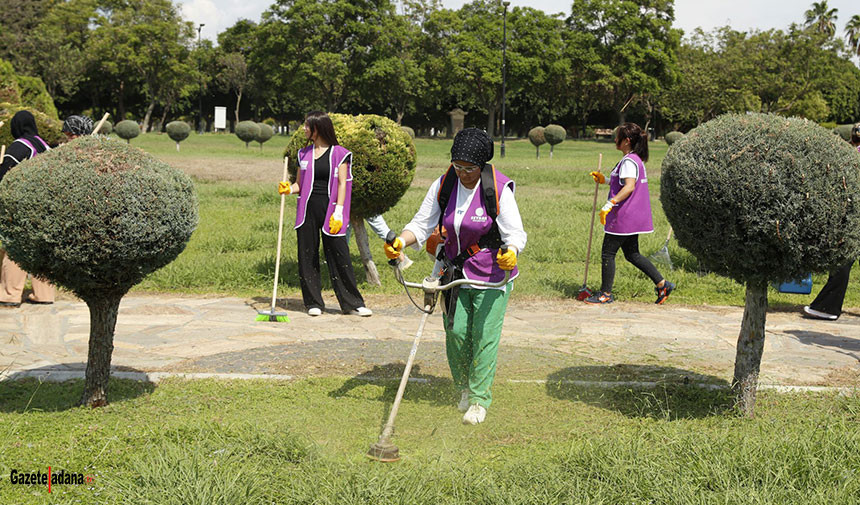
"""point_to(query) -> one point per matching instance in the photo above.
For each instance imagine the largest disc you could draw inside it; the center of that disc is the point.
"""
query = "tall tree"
(233, 76)
(852, 34)
(821, 18)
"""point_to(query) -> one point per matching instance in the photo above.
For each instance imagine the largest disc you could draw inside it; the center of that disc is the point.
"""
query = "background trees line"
(609, 61)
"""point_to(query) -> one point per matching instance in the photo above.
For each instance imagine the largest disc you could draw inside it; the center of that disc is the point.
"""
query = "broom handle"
(3, 148)
(593, 212)
(280, 236)
(99, 126)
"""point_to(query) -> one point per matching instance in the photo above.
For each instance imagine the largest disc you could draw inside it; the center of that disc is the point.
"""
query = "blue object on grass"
(799, 287)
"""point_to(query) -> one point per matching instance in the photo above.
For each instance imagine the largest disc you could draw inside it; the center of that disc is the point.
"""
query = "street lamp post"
(504, 68)
(200, 112)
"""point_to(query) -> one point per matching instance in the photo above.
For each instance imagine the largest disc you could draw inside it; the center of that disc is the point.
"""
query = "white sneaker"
(314, 311)
(817, 314)
(405, 261)
(362, 311)
(475, 415)
(463, 404)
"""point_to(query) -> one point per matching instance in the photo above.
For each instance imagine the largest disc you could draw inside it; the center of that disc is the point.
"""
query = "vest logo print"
(479, 211)
(479, 219)
(304, 164)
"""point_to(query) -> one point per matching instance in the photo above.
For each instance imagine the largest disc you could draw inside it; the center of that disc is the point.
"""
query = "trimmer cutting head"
(385, 452)
(584, 293)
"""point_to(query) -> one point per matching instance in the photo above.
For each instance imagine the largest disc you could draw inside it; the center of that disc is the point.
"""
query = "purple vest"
(338, 155)
(633, 215)
(33, 151)
(476, 223)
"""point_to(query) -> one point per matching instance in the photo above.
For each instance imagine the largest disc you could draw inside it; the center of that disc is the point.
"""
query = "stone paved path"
(540, 340)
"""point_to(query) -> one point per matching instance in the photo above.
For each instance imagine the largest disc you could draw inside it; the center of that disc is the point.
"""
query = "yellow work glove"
(285, 188)
(335, 222)
(507, 260)
(392, 251)
(598, 177)
(604, 211)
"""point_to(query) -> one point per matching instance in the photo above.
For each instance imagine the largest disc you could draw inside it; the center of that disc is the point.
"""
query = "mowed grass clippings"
(221, 442)
(233, 250)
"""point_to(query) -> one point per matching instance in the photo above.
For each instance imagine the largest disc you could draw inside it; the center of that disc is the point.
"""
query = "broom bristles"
(273, 318)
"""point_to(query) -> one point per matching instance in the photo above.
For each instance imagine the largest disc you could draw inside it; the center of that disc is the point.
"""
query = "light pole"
(200, 113)
(504, 68)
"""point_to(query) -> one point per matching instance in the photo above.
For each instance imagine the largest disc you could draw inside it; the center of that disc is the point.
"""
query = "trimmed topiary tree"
(127, 130)
(266, 132)
(409, 131)
(121, 215)
(382, 170)
(106, 128)
(247, 131)
(761, 198)
(49, 129)
(844, 131)
(554, 134)
(673, 137)
(537, 138)
(178, 131)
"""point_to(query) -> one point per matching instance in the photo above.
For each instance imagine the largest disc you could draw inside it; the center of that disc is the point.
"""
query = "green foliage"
(762, 198)
(121, 215)
(34, 95)
(9, 92)
(49, 128)
(554, 134)
(266, 132)
(409, 131)
(247, 131)
(127, 129)
(673, 137)
(383, 162)
(844, 131)
(178, 131)
(270, 121)
(536, 136)
(106, 128)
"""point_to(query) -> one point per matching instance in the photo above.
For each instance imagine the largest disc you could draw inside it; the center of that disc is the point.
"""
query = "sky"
(217, 15)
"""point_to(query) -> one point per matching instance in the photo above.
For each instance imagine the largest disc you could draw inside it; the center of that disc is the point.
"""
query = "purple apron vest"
(476, 223)
(633, 215)
(338, 155)
(33, 151)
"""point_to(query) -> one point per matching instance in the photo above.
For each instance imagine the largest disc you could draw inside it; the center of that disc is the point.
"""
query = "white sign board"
(221, 118)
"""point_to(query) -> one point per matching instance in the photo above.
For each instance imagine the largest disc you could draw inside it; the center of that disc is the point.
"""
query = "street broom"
(272, 315)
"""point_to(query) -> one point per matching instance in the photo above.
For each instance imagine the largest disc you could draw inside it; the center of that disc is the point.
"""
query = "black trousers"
(832, 295)
(336, 256)
(630, 245)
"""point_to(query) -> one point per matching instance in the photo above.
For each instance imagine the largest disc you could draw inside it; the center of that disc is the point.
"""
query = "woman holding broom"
(324, 187)
(473, 239)
(627, 214)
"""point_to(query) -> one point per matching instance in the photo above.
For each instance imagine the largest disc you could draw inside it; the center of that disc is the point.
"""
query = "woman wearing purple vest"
(27, 144)
(828, 304)
(473, 322)
(627, 213)
(324, 187)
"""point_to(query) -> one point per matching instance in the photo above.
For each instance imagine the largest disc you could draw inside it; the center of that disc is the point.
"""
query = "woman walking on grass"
(324, 188)
(627, 214)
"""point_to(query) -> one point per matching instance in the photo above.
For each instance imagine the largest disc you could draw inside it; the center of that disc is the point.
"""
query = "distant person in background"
(828, 304)
(76, 126)
(27, 144)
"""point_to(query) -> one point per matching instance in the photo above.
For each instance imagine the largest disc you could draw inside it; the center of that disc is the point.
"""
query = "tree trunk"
(491, 121)
(750, 347)
(400, 114)
(103, 314)
(238, 101)
(370, 272)
(550, 151)
(148, 115)
(121, 101)
(538, 152)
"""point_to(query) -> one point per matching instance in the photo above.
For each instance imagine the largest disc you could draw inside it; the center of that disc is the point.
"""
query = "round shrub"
(178, 131)
(383, 160)
(844, 131)
(266, 132)
(554, 134)
(106, 128)
(673, 137)
(409, 131)
(536, 136)
(49, 129)
(127, 130)
(119, 214)
(270, 121)
(247, 131)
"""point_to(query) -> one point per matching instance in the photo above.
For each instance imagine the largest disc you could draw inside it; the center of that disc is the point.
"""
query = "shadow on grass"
(21, 393)
(643, 391)
(437, 391)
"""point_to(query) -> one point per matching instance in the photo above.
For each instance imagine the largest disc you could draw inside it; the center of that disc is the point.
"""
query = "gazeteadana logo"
(49, 479)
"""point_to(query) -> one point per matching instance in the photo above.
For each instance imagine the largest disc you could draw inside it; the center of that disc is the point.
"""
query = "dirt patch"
(219, 169)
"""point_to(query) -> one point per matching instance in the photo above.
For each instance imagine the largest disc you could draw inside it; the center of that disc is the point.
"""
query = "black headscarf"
(78, 125)
(23, 125)
(472, 145)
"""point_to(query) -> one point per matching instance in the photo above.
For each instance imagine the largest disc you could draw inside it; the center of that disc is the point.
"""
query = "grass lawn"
(214, 442)
(232, 252)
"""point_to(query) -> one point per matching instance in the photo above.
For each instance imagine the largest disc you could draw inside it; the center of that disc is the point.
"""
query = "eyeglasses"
(464, 168)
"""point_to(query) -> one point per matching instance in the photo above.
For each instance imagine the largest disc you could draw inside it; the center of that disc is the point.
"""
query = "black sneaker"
(600, 299)
(664, 292)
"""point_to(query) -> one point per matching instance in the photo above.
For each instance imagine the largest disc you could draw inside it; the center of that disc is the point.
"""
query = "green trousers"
(472, 343)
